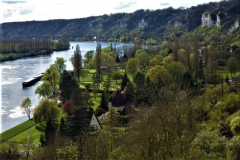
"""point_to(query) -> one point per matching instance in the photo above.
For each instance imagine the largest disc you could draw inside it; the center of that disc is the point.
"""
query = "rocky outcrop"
(234, 27)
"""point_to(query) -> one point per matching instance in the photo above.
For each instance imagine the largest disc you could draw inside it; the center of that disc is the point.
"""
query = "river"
(13, 73)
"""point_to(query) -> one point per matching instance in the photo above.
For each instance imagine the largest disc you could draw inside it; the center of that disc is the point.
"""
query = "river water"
(13, 73)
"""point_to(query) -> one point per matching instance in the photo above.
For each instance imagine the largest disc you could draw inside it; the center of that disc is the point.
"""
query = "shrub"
(233, 148)
(235, 125)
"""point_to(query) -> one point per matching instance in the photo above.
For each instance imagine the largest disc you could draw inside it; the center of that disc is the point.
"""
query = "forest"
(184, 82)
(160, 24)
(186, 104)
(12, 49)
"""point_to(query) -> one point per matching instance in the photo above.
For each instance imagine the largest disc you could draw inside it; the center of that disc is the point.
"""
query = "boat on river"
(32, 80)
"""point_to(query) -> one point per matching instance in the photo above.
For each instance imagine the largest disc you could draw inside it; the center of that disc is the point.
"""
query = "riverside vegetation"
(185, 105)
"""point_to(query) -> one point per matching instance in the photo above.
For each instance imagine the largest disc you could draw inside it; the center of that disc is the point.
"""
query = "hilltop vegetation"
(160, 24)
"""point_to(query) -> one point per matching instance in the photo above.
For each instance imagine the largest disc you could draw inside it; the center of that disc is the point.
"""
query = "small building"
(235, 80)
(121, 102)
(91, 119)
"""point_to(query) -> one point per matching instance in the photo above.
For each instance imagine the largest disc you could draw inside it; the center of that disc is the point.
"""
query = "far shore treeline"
(12, 49)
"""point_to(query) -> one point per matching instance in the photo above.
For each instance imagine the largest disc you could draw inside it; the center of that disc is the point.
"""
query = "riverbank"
(14, 56)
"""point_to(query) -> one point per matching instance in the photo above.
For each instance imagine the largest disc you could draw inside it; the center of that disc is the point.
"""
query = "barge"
(32, 80)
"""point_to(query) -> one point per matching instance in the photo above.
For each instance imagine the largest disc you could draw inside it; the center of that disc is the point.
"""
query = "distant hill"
(156, 24)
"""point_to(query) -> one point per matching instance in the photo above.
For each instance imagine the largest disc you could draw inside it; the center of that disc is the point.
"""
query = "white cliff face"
(90, 25)
(142, 23)
(207, 20)
(218, 22)
(122, 24)
(234, 27)
(177, 24)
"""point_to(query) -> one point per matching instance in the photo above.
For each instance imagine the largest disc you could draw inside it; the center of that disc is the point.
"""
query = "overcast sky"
(26, 10)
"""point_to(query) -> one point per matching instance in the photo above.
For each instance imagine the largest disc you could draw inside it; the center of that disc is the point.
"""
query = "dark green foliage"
(117, 60)
(61, 127)
(67, 84)
(104, 102)
(50, 131)
(77, 97)
(75, 123)
(98, 63)
(124, 82)
(99, 111)
(139, 80)
(77, 62)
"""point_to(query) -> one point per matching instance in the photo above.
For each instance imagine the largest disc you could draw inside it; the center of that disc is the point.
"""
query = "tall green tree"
(175, 50)
(117, 75)
(98, 62)
(44, 90)
(77, 62)
(47, 111)
(60, 63)
(124, 82)
(26, 106)
(88, 55)
(133, 65)
(66, 85)
(52, 75)
(233, 65)
(143, 57)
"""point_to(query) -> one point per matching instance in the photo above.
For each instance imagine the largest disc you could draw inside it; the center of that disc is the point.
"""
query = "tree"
(117, 59)
(159, 73)
(124, 82)
(104, 103)
(132, 66)
(77, 62)
(66, 85)
(44, 90)
(116, 75)
(26, 106)
(130, 88)
(232, 65)
(47, 111)
(143, 57)
(235, 125)
(52, 75)
(60, 63)
(176, 69)
(154, 62)
(233, 148)
(88, 55)
(98, 62)
(175, 50)
(84, 73)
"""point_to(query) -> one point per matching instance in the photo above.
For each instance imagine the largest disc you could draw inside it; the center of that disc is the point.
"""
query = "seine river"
(13, 73)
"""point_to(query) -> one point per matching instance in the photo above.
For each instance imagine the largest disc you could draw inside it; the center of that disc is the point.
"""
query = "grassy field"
(16, 129)
(225, 73)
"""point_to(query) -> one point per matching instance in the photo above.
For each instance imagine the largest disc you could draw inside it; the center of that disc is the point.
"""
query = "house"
(91, 119)
(235, 80)
(121, 102)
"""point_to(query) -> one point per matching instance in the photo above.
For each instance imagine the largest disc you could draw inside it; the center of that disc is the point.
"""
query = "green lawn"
(16, 129)
(225, 73)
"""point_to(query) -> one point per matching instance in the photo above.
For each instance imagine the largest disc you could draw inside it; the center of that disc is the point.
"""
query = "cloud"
(70, 9)
(25, 11)
(165, 4)
(9, 1)
(123, 6)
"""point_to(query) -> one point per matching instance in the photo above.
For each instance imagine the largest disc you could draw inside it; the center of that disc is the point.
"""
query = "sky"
(28, 10)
